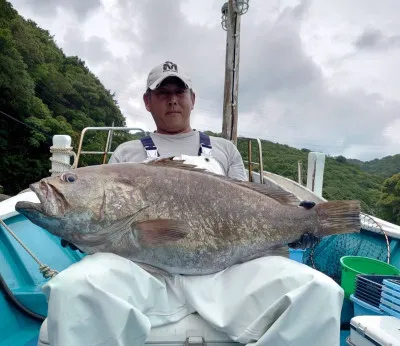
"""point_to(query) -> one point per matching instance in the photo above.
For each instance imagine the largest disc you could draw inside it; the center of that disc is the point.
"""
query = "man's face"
(170, 105)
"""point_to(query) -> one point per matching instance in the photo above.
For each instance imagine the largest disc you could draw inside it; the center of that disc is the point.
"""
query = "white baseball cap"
(165, 70)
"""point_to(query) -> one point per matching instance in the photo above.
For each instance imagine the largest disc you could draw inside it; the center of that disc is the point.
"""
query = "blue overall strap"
(150, 147)
(205, 144)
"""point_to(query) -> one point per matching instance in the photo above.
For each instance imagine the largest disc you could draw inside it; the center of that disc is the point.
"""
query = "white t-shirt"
(223, 151)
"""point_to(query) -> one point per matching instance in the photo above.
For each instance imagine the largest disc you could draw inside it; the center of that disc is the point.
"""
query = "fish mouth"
(35, 213)
(24, 207)
(52, 202)
(31, 208)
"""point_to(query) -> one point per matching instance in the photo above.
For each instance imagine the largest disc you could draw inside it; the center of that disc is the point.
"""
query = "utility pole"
(231, 12)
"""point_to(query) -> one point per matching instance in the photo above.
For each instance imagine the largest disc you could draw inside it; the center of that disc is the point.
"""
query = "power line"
(58, 99)
(21, 122)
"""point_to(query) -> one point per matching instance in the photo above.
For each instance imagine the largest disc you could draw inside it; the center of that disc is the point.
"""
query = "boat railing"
(250, 163)
(315, 171)
(62, 151)
(107, 148)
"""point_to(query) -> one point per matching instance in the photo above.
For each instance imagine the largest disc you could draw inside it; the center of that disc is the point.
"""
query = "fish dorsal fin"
(275, 192)
(170, 162)
(180, 164)
(280, 195)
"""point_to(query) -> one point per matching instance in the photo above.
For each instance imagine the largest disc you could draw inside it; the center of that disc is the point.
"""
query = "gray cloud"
(375, 39)
(94, 50)
(81, 8)
(284, 94)
(277, 61)
(164, 33)
(293, 102)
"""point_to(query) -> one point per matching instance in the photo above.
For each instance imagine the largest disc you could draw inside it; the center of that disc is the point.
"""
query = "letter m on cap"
(170, 66)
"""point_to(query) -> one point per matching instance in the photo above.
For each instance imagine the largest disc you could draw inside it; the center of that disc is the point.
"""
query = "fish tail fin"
(338, 217)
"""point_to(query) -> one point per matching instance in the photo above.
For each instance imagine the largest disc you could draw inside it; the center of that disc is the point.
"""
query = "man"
(108, 300)
(170, 99)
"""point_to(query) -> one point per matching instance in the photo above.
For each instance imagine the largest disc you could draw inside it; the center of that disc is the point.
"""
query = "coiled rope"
(66, 151)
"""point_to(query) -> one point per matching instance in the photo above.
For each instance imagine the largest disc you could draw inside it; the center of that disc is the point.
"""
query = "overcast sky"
(313, 74)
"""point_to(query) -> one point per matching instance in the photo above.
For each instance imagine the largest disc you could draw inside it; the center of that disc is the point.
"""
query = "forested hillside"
(342, 180)
(386, 167)
(50, 92)
(43, 92)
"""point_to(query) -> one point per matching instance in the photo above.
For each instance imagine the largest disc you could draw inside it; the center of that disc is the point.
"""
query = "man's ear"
(146, 99)
(193, 96)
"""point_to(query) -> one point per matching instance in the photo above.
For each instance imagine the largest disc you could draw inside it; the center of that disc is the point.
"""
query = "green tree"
(389, 202)
(43, 93)
(341, 159)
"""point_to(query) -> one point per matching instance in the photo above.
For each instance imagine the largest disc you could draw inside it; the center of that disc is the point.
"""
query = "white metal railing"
(107, 148)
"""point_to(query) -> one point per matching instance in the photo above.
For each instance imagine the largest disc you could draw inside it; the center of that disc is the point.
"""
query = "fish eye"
(68, 177)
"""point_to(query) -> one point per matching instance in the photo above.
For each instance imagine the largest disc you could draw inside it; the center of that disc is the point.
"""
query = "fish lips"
(29, 207)
(46, 207)
(36, 213)
(32, 211)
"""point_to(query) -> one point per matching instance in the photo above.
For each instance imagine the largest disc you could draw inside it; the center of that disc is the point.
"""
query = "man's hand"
(65, 243)
(307, 240)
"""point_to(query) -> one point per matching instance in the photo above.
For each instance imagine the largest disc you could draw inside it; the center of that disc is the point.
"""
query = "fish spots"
(117, 205)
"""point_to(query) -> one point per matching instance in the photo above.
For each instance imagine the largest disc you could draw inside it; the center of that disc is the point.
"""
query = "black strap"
(205, 142)
(148, 144)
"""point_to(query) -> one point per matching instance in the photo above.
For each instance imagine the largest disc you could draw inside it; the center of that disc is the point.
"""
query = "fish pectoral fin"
(160, 231)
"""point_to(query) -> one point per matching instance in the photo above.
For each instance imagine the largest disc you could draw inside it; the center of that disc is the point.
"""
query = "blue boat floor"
(26, 337)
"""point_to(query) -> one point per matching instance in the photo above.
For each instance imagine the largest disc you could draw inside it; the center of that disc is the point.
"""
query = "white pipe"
(61, 154)
(315, 173)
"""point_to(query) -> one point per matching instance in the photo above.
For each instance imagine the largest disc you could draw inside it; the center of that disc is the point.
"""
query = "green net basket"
(372, 242)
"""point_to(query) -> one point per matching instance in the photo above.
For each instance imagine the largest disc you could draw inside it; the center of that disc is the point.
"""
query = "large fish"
(175, 218)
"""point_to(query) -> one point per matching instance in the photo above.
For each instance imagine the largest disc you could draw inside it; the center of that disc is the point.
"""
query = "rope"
(46, 271)
(66, 151)
(374, 224)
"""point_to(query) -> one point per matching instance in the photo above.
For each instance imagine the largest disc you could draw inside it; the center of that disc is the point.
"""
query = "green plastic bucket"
(354, 265)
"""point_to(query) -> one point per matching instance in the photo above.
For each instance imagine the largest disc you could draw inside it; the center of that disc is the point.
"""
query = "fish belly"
(203, 261)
